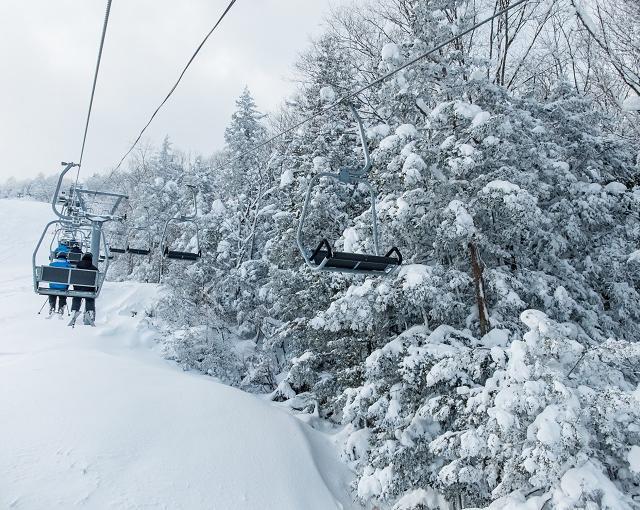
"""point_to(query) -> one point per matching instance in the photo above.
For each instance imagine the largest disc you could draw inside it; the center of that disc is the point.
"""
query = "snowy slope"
(93, 418)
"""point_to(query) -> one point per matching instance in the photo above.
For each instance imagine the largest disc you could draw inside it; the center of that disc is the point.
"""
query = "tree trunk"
(478, 282)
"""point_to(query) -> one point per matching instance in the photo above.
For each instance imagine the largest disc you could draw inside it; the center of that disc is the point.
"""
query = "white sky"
(47, 57)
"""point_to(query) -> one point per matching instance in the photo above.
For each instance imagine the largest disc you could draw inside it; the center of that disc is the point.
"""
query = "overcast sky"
(47, 57)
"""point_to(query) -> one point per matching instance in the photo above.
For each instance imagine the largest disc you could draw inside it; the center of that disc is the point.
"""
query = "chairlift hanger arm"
(364, 171)
(54, 202)
(193, 215)
(37, 248)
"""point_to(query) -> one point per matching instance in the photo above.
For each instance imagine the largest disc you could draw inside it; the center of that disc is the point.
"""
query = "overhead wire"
(351, 95)
(175, 86)
(344, 99)
(95, 81)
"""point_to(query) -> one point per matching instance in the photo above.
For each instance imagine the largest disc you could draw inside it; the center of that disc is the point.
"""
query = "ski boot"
(61, 313)
(89, 318)
(52, 310)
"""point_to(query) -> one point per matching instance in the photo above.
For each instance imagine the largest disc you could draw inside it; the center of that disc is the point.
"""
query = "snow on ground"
(94, 418)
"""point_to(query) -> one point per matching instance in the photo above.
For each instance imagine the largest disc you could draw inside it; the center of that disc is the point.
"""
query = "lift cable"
(351, 95)
(95, 81)
(175, 86)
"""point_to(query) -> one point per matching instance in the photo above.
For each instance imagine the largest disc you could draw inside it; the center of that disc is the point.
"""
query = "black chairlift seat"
(181, 255)
(67, 276)
(117, 250)
(355, 262)
(138, 251)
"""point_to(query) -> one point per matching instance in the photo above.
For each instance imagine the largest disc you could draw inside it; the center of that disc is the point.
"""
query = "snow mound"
(478, 75)
(327, 94)
(463, 220)
(413, 275)
(631, 104)
(480, 118)
(588, 481)
(499, 185)
(420, 498)
(378, 132)
(217, 208)
(390, 53)
(634, 257)
(467, 110)
(615, 188)
(286, 179)
(407, 131)
(634, 458)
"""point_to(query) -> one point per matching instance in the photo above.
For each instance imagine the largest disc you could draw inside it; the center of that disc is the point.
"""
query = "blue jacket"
(59, 263)
(62, 248)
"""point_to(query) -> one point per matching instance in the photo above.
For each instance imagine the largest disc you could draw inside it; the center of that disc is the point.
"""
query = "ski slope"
(94, 418)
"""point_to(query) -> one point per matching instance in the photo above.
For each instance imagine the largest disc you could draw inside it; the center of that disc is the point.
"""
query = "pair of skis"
(53, 312)
(88, 319)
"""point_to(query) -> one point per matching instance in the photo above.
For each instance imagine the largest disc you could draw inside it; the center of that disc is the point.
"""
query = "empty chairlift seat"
(324, 258)
(139, 247)
(329, 260)
(181, 255)
(138, 251)
(188, 221)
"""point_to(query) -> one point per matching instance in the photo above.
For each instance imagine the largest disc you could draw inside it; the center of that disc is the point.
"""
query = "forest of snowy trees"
(499, 365)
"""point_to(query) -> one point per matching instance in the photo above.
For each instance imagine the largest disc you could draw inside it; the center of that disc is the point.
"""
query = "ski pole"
(45, 302)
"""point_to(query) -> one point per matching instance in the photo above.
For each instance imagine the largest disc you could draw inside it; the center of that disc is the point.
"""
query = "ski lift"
(45, 275)
(137, 250)
(72, 223)
(324, 257)
(120, 242)
(166, 251)
(143, 231)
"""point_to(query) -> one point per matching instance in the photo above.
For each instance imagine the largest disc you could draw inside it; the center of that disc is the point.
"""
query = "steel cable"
(175, 86)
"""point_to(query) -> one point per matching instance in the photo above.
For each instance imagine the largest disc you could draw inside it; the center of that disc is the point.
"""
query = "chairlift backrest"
(69, 276)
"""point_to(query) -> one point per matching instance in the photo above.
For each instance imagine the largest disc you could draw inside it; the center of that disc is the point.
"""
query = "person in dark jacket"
(89, 303)
(60, 261)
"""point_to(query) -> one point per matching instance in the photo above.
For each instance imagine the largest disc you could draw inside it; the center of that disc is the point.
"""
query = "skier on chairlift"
(89, 303)
(60, 261)
(63, 247)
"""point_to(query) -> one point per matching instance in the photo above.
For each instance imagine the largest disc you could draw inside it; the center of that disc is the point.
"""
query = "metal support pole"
(96, 233)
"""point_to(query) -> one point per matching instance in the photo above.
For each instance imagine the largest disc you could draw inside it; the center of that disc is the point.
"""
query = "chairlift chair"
(143, 231)
(75, 223)
(43, 275)
(166, 251)
(324, 257)
(120, 247)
